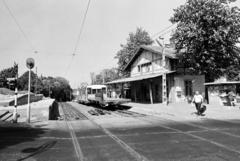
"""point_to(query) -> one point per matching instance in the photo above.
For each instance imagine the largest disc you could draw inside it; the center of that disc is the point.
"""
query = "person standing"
(197, 100)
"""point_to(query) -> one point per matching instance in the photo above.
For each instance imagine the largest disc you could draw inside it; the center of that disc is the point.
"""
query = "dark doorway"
(188, 88)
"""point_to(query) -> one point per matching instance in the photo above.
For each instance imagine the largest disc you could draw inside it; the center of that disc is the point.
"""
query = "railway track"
(164, 124)
(129, 113)
(69, 111)
(123, 113)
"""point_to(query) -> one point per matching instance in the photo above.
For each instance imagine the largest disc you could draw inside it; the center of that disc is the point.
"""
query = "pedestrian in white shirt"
(197, 100)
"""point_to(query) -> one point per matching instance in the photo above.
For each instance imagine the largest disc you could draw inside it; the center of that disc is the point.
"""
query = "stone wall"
(22, 100)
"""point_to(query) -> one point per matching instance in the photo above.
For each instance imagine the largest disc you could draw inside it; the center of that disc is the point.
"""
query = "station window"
(139, 68)
(146, 67)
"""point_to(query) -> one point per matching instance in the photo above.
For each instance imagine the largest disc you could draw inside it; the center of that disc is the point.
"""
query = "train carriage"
(97, 94)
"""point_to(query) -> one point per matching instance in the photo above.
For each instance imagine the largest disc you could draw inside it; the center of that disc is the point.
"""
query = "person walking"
(197, 100)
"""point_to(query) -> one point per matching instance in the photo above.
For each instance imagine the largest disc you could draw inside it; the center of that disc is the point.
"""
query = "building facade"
(157, 77)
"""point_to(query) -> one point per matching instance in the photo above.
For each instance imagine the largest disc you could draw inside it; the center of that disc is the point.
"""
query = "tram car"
(97, 94)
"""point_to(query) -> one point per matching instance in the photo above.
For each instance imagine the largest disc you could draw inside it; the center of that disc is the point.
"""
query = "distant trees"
(58, 87)
(10, 72)
(206, 36)
(134, 40)
(106, 75)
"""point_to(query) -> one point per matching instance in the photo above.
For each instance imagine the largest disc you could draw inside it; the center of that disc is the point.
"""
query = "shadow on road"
(36, 150)
(114, 108)
(13, 134)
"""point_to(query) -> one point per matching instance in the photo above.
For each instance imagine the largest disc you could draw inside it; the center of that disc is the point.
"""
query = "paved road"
(87, 134)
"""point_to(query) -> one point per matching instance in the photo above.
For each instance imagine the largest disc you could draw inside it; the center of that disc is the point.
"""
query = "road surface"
(88, 134)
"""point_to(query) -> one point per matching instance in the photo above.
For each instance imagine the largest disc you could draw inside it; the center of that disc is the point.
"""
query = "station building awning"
(138, 78)
(222, 83)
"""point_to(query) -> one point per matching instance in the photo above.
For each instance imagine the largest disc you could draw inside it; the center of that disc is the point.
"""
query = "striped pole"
(164, 88)
(15, 115)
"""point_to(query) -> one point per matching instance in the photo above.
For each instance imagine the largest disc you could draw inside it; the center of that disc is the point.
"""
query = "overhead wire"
(19, 27)
(163, 30)
(79, 37)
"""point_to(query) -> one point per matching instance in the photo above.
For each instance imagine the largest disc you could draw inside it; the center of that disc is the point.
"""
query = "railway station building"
(156, 76)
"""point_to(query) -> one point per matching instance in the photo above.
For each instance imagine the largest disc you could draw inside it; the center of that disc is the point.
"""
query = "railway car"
(97, 94)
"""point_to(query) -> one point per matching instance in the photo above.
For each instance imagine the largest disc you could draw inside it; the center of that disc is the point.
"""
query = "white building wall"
(197, 85)
(154, 59)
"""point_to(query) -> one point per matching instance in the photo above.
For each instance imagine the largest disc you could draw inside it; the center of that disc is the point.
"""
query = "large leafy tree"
(134, 40)
(206, 36)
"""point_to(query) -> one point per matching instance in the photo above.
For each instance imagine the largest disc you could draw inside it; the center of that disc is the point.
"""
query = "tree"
(206, 36)
(106, 75)
(57, 88)
(140, 37)
(8, 73)
(23, 81)
(233, 73)
(98, 79)
(110, 74)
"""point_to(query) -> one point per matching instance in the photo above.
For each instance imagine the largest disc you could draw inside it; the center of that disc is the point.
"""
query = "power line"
(19, 26)
(81, 28)
(69, 65)
(79, 36)
(163, 30)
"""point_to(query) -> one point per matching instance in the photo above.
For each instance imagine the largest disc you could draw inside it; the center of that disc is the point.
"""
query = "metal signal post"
(30, 65)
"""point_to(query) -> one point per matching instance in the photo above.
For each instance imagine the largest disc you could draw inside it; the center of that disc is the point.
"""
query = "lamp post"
(30, 65)
(164, 76)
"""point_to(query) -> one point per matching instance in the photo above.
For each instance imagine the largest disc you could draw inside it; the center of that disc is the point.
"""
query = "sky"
(50, 30)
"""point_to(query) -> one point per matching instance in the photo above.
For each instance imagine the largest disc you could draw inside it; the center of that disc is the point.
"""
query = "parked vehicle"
(97, 94)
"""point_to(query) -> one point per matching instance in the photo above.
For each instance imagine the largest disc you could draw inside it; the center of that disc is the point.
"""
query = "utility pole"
(164, 76)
